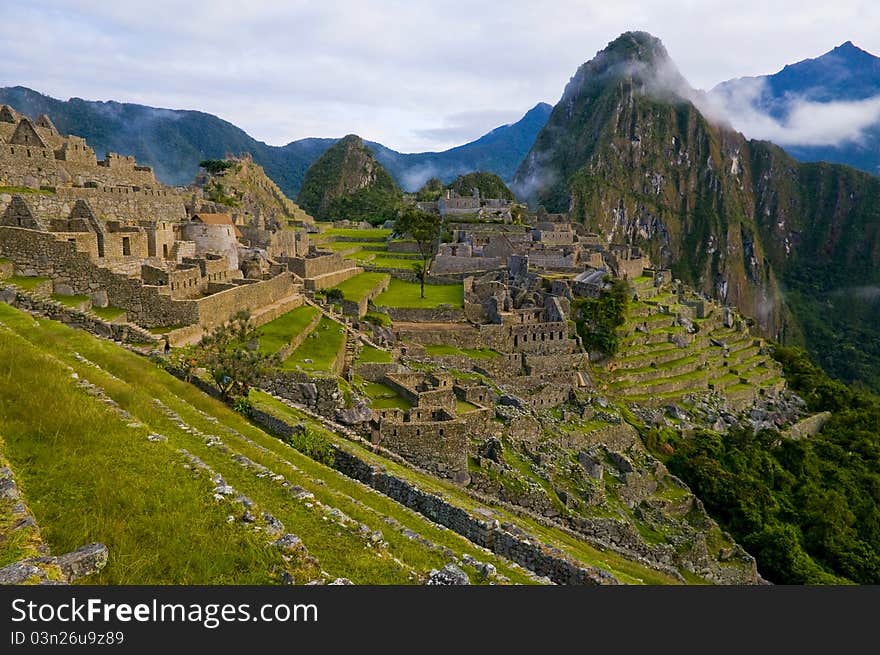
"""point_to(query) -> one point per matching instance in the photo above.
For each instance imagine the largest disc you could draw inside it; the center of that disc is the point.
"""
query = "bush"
(313, 444)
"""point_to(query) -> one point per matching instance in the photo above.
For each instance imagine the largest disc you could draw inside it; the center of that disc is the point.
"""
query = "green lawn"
(438, 350)
(321, 348)
(406, 294)
(358, 287)
(463, 407)
(375, 233)
(384, 397)
(88, 475)
(108, 313)
(70, 301)
(370, 355)
(372, 246)
(276, 334)
(25, 282)
(391, 262)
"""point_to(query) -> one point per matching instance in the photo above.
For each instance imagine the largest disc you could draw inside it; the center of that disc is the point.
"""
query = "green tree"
(598, 318)
(233, 366)
(423, 228)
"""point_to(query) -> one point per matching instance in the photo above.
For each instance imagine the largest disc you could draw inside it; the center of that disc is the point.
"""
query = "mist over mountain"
(174, 141)
(822, 109)
(636, 154)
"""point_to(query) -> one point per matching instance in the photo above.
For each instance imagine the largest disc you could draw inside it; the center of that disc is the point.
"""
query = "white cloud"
(804, 122)
(395, 71)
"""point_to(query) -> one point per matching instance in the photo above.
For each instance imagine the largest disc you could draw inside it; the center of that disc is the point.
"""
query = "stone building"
(106, 229)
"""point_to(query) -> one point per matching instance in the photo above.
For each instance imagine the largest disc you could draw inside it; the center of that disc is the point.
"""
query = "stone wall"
(439, 447)
(39, 253)
(56, 311)
(358, 309)
(318, 263)
(33, 166)
(219, 239)
(453, 265)
(111, 203)
(488, 533)
(415, 315)
(319, 394)
(219, 307)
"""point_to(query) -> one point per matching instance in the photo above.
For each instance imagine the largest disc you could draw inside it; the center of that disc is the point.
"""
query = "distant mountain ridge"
(174, 141)
(846, 74)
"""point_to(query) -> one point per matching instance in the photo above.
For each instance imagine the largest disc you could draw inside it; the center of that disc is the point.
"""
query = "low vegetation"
(401, 293)
(319, 351)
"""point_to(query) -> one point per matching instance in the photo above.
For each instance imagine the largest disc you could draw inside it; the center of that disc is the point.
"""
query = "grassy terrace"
(358, 287)
(70, 301)
(370, 355)
(27, 283)
(276, 334)
(375, 234)
(438, 350)
(401, 263)
(107, 313)
(407, 294)
(384, 397)
(625, 570)
(89, 476)
(318, 352)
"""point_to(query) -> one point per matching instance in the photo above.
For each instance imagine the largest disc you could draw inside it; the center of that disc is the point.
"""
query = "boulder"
(83, 561)
(448, 575)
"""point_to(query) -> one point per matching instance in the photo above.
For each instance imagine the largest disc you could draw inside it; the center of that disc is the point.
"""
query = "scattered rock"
(83, 561)
(448, 575)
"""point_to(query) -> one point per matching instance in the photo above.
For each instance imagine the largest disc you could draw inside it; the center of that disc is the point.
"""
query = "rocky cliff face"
(630, 153)
(347, 182)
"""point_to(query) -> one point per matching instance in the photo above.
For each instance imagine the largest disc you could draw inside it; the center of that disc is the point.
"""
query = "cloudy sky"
(413, 75)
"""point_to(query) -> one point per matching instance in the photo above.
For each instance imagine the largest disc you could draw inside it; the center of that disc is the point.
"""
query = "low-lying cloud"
(802, 122)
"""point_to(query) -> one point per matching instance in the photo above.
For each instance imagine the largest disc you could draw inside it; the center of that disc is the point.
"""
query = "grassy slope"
(356, 288)
(88, 477)
(321, 347)
(625, 570)
(278, 333)
(407, 294)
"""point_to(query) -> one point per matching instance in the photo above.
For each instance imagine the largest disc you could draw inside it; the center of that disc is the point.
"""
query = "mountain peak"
(638, 58)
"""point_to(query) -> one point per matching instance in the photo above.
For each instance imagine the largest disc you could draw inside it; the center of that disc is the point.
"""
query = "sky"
(412, 75)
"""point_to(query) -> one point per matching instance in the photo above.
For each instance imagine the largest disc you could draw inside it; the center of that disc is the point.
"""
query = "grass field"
(70, 301)
(383, 397)
(353, 233)
(89, 475)
(25, 282)
(108, 313)
(318, 353)
(407, 294)
(358, 287)
(276, 334)
(370, 355)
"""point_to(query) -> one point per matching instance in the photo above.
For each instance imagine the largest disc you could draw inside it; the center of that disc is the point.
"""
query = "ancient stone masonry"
(322, 269)
(106, 229)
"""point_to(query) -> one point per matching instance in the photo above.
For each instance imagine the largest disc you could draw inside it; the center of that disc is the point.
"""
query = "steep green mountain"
(630, 154)
(173, 141)
(488, 184)
(347, 182)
